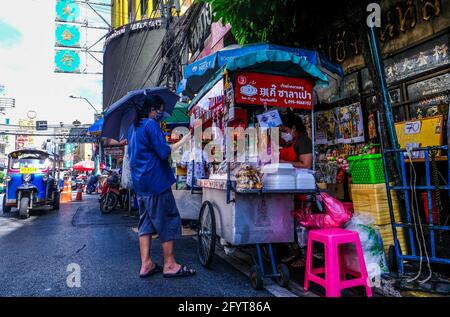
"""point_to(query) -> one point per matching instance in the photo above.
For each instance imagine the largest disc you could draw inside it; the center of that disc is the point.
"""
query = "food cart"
(251, 215)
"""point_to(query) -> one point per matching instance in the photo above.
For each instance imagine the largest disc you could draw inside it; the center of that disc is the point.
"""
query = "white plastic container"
(279, 176)
(305, 179)
(279, 168)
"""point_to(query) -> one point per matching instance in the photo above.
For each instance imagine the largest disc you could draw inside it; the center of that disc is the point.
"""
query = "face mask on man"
(159, 116)
(287, 137)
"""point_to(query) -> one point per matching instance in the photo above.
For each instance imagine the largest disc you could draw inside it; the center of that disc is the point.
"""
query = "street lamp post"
(75, 97)
(97, 113)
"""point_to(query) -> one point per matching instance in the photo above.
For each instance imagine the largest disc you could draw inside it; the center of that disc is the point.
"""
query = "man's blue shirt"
(149, 153)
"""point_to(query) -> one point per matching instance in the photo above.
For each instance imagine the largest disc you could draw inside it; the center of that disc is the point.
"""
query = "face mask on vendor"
(287, 137)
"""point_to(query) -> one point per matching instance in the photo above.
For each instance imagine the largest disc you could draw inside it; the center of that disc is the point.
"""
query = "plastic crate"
(371, 199)
(366, 169)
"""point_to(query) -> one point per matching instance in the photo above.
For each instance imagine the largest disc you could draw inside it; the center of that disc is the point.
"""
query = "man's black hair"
(150, 103)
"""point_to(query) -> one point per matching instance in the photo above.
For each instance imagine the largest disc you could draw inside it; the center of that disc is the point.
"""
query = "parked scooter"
(92, 184)
(110, 196)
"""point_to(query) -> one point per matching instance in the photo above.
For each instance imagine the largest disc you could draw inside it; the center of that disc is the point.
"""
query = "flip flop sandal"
(184, 271)
(156, 269)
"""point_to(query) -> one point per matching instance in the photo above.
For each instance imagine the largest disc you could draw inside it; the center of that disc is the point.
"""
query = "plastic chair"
(335, 272)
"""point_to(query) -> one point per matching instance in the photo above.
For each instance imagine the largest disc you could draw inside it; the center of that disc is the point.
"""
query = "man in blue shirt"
(152, 179)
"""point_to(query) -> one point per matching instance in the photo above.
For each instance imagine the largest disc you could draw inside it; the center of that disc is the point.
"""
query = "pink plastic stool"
(334, 269)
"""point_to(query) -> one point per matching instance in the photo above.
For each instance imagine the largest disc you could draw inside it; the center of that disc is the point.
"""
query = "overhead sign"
(41, 125)
(7, 102)
(67, 10)
(67, 61)
(61, 135)
(272, 90)
(80, 135)
(67, 35)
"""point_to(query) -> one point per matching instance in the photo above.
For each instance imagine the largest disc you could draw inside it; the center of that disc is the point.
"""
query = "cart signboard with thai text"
(273, 90)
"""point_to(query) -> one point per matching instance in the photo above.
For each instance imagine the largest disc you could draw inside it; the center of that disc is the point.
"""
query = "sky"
(27, 40)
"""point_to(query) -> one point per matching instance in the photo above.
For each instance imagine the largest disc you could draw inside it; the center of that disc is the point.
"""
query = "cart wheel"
(283, 279)
(206, 234)
(256, 277)
(392, 259)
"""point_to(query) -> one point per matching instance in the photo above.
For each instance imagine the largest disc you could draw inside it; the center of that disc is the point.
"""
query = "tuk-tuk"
(32, 180)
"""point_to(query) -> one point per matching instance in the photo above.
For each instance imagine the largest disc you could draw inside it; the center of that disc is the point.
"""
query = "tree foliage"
(259, 20)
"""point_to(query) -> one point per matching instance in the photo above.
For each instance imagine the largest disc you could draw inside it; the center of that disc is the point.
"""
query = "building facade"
(133, 49)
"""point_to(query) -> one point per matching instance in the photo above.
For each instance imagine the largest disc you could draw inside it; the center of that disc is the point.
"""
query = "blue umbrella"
(121, 114)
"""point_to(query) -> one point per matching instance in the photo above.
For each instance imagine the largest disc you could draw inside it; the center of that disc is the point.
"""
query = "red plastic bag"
(335, 216)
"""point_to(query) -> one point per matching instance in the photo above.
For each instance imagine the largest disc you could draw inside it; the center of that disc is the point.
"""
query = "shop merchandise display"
(248, 177)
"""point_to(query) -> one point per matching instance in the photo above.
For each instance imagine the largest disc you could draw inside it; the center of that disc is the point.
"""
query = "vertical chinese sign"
(67, 36)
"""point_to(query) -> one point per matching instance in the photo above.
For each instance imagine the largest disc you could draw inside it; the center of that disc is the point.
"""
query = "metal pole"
(376, 55)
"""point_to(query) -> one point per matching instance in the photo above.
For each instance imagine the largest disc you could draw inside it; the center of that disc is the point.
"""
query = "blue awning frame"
(198, 73)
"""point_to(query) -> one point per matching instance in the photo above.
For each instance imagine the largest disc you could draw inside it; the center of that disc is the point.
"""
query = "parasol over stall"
(86, 166)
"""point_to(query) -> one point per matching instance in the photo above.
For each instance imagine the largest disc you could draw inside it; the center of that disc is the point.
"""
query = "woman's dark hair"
(150, 103)
(292, 120)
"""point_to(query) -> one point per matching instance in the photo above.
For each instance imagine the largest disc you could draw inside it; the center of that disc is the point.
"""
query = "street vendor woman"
(297, 147)
(297, 150)
(152, 179)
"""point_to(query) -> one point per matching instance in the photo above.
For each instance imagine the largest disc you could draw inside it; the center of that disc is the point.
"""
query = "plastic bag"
(336, 215)
(302, 236)
(372, 247)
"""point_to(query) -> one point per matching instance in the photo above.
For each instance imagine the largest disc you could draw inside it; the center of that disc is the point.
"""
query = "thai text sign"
(272, 90)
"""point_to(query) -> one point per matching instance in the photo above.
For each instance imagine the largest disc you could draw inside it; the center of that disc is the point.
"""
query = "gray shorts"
(159, 214)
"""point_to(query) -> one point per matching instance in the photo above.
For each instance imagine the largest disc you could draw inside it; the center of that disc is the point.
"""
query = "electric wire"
(134, 61)
(186, 23)
(118, 87)
(154, 62)
(415, 209)
(118, 76)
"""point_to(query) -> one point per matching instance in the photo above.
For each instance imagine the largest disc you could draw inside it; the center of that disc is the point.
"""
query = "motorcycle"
(110, 196)
(92, 184)
(77, 182)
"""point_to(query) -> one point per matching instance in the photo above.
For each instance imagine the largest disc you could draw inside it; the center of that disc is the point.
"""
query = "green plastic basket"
(366, 169)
